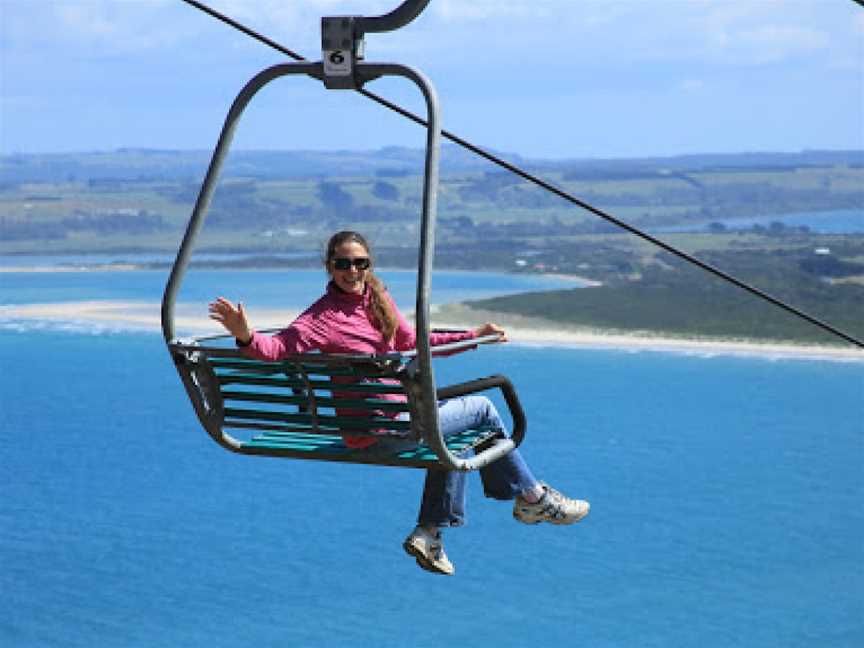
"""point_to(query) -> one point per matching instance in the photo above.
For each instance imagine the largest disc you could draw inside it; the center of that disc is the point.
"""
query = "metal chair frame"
(416, 371)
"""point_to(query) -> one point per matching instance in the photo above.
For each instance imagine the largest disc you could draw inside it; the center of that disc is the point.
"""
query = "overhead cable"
(550, 187)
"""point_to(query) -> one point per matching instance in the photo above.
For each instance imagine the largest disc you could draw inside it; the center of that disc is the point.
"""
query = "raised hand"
(233, 318)
(489, 328)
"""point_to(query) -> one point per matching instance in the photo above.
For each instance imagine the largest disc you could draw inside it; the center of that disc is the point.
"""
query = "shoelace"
(436, 547)
(554, 505)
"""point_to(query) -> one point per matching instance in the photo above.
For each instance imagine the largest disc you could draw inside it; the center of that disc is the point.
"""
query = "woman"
(357, 315)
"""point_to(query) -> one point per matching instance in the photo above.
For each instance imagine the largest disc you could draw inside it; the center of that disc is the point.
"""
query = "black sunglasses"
(344, 263)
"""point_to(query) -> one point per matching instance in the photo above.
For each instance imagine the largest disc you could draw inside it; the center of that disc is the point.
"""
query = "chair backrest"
(314, 395)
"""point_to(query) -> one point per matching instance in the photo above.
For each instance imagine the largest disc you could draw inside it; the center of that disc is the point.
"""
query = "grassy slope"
(689, 302)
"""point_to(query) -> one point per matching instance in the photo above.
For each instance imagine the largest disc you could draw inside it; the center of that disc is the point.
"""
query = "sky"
(539, 78)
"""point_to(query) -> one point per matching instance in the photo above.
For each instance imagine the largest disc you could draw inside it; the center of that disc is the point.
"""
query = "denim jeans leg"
(443, 502)
(508, 477)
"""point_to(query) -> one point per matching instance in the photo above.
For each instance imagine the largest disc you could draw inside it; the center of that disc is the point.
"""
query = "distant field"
(136, 205)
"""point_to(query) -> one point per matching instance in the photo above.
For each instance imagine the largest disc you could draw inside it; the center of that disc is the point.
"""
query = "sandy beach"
(192, 320)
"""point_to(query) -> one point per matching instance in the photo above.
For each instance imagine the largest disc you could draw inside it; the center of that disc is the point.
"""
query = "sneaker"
(553, 507)
(429, 552)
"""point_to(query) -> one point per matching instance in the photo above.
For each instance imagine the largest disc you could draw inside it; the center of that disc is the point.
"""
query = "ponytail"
(383, 315)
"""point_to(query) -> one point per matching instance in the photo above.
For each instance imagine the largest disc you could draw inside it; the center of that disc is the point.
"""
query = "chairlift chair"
(301, 406)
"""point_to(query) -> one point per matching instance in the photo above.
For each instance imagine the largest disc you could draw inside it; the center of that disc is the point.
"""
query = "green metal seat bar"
(466, 437)
(351, 427)
(309, 442)
(275, 435)
(298, 428)
(422, 453)
(313, 358)
(458, 446)
(287, 435)
(370, 404)
(287, 367)
(359, 387)
(340, 422)
(323, 372)
(251, 366)
(323, 430)
(335, 446)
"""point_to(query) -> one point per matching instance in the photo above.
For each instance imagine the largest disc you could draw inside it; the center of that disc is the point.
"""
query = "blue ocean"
(835, 221)
(726, 498)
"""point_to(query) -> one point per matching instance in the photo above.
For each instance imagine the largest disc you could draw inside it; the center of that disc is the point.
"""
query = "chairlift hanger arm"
(399, 17)
(343, 46)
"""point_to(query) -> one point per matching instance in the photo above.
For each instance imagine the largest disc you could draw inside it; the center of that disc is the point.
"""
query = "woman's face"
(352, 279)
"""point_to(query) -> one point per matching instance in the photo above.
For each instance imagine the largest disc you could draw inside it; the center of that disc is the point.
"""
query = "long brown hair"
(383, 316)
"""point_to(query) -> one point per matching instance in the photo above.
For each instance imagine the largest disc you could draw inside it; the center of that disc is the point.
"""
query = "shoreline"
(107, 267)
(128, 266)
(191, 320)
(529, 331)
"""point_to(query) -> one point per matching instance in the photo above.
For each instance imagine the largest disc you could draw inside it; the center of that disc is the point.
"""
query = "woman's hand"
(490, 328)
(233, 318)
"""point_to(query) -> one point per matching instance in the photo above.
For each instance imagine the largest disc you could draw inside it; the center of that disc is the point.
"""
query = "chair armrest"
(502, 446)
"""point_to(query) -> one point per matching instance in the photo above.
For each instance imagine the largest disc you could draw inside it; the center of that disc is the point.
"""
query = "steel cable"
(550, 187)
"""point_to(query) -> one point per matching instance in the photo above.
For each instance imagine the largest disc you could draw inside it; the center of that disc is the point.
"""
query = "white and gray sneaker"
(428, 549)
(553, 507)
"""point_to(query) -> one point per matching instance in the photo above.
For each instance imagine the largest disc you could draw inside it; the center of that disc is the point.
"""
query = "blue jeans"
(444, 493)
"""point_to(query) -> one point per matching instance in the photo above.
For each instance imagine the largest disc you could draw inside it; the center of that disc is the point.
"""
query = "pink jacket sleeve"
(305, 333)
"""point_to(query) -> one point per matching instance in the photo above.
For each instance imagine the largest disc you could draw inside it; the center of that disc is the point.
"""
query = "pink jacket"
(340, 322)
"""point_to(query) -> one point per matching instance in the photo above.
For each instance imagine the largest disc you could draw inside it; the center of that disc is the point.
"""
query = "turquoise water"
(265, 288)
(726, 505)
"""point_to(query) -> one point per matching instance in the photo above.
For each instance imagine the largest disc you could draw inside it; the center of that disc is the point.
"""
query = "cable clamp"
(342, 46)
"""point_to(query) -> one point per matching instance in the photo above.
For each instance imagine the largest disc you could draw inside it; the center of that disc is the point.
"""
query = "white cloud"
(733, 32)
(760, 33)
(102, 26)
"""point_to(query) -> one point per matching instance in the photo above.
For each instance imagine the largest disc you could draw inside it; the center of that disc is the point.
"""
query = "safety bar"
(501, 446)
(456, 346)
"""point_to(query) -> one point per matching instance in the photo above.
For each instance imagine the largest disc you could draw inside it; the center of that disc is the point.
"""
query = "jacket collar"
(340, 295)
